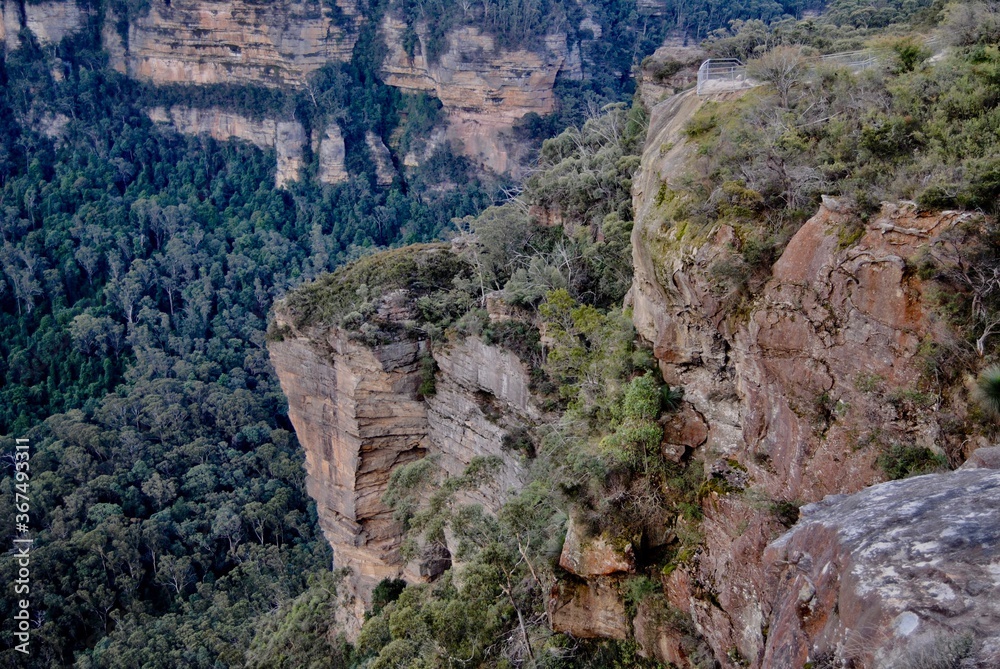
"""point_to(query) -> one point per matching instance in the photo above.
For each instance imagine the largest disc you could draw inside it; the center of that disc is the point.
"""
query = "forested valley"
(138, 270)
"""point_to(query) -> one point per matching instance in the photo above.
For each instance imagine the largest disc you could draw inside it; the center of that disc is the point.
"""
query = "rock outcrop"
(384, 170)
(330, 149)
(902, 574)
(51, 21)
(289, 142)
(10, 24)
(358, 414)
(588, 604)
(801, 388)
(669, 70)
(234, 41)
(111, 39)
(481, 395)
(483, 90)
(287, 138)
(588, 610)
(589, 556)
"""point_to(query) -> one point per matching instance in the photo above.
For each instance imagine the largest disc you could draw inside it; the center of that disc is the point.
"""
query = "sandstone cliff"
(902, 574)
(10, 24)
(669, 70)
(49, 21)
(483, 90)
(331, 151)
(802, 386)
(358, 414)
(384, 170)
(287, 138)
(232, 41)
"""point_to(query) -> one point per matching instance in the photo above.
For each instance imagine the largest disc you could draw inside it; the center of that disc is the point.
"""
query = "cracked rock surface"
(891, 576)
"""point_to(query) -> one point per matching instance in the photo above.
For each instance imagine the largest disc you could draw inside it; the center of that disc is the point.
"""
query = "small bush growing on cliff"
(900, 462)
(387, 591)
(518, 337)
(428, 376)
(988, 390)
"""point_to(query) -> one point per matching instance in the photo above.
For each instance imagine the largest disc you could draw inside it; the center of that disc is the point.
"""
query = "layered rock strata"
(49, 21)
(112, 41)
(52, 21)
(287, 138)
(483, 89)
(10, 24)
(358, 414)
(234, 41)
(384, 170)
(331, 151)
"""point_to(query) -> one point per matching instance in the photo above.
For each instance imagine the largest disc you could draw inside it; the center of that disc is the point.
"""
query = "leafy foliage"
(137, 270)
(351, 294)
(901, 461)
(302, 633)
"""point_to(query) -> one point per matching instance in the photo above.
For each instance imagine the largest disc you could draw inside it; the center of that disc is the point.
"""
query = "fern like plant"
(988, 390)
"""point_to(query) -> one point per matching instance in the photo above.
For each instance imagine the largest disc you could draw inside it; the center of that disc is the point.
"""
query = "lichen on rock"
(894, 573)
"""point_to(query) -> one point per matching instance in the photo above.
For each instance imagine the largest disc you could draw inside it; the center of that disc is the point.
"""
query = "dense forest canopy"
(138, 269)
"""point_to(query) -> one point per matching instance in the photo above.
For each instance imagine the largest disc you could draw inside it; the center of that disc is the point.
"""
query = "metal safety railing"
(852, 60)
(730, 74)
(723, 74)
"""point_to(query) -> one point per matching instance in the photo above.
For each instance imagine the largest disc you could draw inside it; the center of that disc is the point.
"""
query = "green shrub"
(909, 53)
(900, 462)
(430, 272)
(388, 590)
(988, 390)
(428, 376)
(642, 398)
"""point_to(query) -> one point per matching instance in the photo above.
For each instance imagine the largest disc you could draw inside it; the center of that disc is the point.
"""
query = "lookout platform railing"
(717, 75)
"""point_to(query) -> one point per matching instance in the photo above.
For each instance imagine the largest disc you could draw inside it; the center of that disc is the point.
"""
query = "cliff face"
(902, 574)
(801, 388)
(358, 414)
(287, 138)
(214, 42)
(49, 21)
(52, 21)
(483, 90)
(331, 151)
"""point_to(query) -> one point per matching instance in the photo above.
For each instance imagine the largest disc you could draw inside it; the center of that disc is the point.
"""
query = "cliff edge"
(365, 403)
(808, 382)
